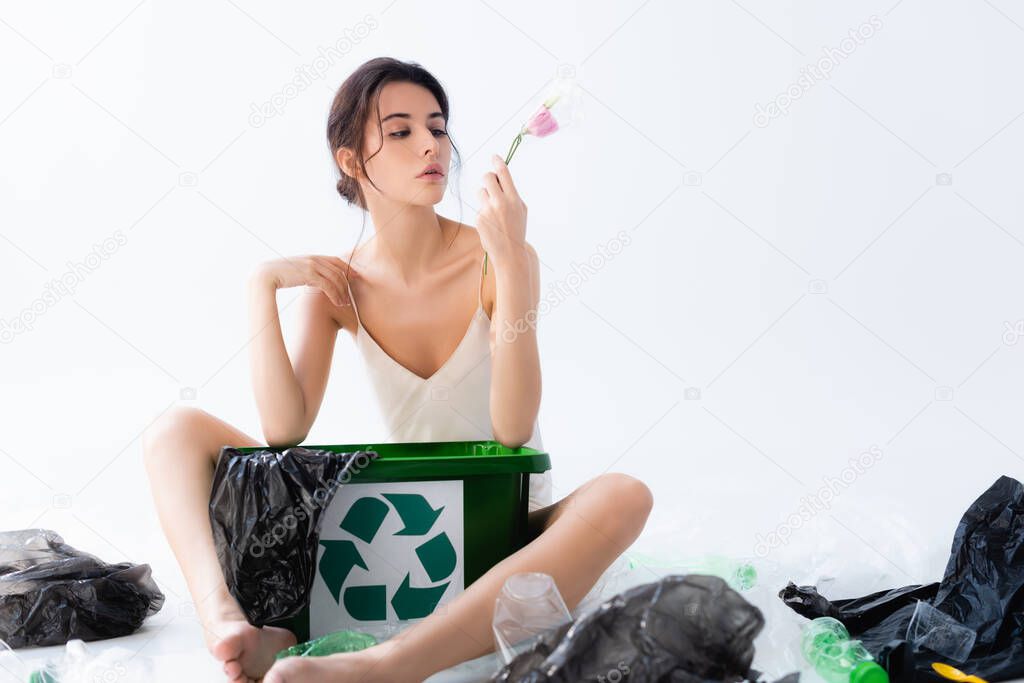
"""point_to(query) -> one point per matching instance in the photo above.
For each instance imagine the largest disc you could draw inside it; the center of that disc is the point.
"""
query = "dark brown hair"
(357, 99)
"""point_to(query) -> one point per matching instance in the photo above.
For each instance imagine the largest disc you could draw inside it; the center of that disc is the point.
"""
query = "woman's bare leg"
(180, 451)
(580, 537)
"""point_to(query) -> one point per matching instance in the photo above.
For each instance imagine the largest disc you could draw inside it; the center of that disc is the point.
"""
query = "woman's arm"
(515, 359)
(289, 398)
(515, 363)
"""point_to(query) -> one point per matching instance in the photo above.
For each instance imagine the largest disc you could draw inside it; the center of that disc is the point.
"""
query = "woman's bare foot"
(246, 651)
(377, 664)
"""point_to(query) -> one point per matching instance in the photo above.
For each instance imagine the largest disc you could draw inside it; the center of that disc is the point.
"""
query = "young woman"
(405, 299)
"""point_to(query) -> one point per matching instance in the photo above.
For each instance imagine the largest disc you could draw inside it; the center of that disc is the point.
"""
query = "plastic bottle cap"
(868, 672)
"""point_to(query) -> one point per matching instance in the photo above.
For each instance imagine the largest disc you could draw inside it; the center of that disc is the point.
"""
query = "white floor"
(864, 543)
(169, 646)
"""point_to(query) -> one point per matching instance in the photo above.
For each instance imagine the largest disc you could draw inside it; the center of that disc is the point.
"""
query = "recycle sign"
(372, 543)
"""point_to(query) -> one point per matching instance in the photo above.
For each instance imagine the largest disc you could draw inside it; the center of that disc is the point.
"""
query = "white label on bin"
(389, 552)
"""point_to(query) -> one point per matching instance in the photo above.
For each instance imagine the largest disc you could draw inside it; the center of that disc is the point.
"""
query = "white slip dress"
(453, 404)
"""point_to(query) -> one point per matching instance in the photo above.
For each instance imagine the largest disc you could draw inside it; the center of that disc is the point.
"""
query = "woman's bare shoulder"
(318, 308)
(343, 317)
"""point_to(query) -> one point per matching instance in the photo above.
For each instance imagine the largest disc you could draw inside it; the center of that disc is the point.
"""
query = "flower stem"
(513, 148)
(508, 157)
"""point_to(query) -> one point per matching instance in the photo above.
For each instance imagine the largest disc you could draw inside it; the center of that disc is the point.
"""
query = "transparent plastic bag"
(11, 663)
(777, 646)
(739, 572)
(79, 664)
(634, 568)
(818, 552)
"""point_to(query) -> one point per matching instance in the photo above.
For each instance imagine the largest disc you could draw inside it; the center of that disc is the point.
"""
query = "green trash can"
(410, 530)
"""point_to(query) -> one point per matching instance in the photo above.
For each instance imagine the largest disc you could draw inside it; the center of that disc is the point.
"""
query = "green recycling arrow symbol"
(363, 520)
(337, 561)
(415, 511)
(367, 603)
(414, 603)
(437, 556)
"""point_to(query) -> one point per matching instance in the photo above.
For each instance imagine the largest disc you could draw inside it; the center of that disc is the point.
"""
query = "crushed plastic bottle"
(528, 607)
(937, 631)
(739, 573)
(826, 644)
(332, 643)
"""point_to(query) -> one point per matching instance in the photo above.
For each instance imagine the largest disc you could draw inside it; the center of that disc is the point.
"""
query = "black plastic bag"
(858, 614)
(51, 593)
(681, 629)
(982, 588)
(265, 510)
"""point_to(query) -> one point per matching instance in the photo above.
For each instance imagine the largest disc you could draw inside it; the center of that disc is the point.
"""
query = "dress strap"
(480, 288)
(353, 300)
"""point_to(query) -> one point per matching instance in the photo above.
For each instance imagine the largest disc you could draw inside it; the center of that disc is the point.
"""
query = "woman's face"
(415, 136)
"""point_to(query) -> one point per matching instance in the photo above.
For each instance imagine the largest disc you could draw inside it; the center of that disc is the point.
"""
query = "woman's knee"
(178, 423)
(634, 492)
(627, 500)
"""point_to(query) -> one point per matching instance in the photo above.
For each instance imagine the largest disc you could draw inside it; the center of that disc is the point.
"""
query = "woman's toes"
(287, 670)
(233, 669)
(248, 651)
(230, 640)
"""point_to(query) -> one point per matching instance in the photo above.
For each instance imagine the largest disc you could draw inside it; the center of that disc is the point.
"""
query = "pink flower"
(542, 123)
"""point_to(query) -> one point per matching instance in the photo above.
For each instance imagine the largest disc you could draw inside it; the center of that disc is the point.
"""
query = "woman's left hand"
(502, 219)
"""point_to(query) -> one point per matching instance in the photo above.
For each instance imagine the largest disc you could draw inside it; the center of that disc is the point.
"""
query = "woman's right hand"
(326, 273)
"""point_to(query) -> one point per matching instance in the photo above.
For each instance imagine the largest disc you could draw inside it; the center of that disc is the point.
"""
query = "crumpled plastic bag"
(657, 555)
(982, 588)
(680, 629)
(265, 511)
(78, 664)
(51, 592)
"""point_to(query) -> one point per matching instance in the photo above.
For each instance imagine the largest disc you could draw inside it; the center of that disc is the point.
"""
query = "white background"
(814, 281)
